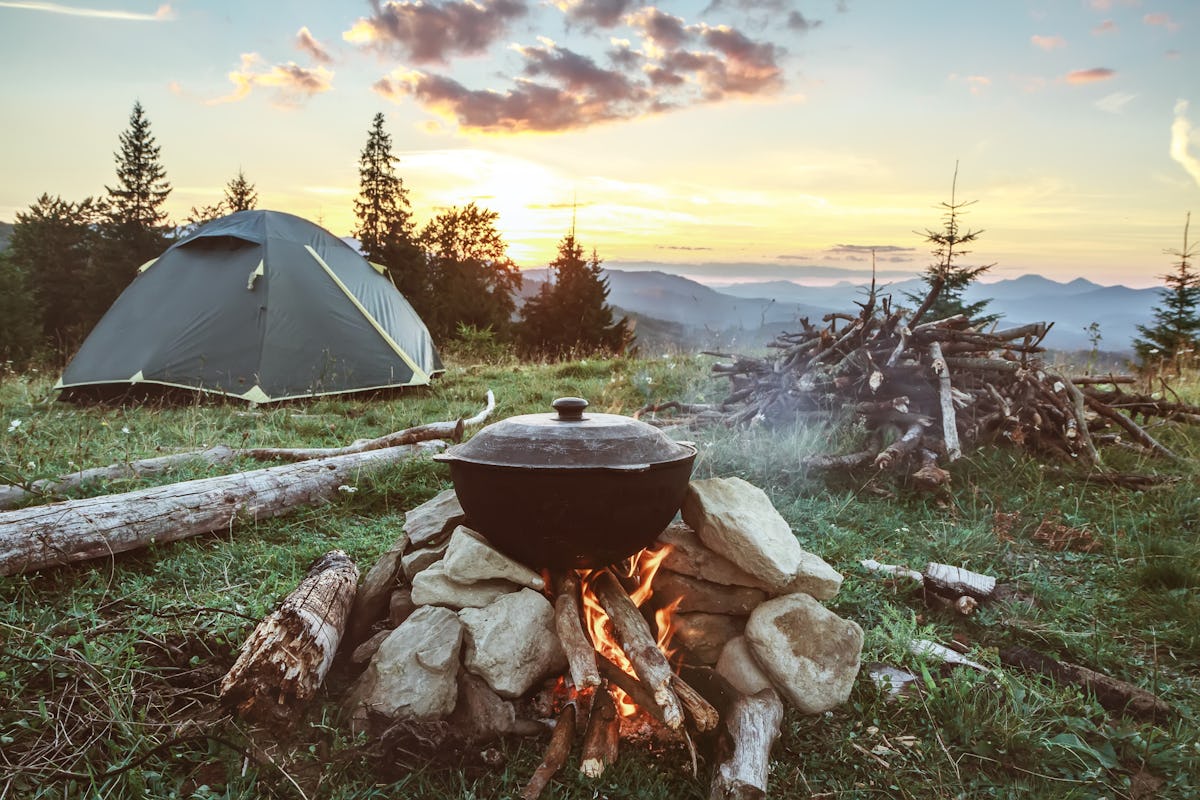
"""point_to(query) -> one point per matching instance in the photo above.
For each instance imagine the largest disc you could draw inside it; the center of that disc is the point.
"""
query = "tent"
(259, 305)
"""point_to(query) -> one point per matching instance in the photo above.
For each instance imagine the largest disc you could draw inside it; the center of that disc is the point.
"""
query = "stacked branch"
(928, 392)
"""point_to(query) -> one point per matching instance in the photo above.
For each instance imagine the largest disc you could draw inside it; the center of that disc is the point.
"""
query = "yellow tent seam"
(418, 373)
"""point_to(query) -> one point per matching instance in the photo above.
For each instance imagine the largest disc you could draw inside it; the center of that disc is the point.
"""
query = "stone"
(703, 635)
(401, 606)
(469, 558)
(481, 714)
(414, 674)
(367, 650)
(371, 599)
(736, 519)
(422, 558)
(432, 587)
(810, 653)
(737, 665)
(689, 556)
(434, 519)
(512, 643)
(694, 594)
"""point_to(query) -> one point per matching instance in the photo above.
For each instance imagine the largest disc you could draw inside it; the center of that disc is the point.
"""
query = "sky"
(777, 138)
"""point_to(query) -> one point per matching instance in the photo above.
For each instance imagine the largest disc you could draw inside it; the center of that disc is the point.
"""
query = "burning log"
(602, 739)
(285, 660)
(638, 645)
(703, 716)
(556, 754)
(751, 729)
(581, 655)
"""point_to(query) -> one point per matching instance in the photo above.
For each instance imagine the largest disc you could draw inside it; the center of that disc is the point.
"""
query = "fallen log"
(638, 645)
(284, 661)
(1115, 695)
(752, 727)
(98, 527)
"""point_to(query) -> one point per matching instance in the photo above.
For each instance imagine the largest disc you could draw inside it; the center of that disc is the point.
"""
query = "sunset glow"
(757, 134)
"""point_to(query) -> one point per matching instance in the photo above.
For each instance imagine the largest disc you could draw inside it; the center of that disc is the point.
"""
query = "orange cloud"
(1181, 140)
(1161, 18)
(1048, 43)
(290, 82)
(308, 43)
(1092, 75)
(164, 12)
(1108, 26)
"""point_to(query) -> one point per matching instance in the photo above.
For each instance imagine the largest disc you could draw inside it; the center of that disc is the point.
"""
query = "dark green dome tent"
(259, 305)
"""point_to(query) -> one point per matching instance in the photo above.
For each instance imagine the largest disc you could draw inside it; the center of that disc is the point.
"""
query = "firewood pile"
(926, 390)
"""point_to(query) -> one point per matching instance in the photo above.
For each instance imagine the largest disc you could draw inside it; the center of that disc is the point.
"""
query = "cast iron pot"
(570, 490)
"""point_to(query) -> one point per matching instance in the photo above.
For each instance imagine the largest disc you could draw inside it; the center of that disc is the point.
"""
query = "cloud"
(1115, 103)
(1163, 19)
(308, 43)
(163, 14)
(1108, 26)
(1048, 43)
(291, 83)
(579, 74)
(601, 13)
(976, 83)
(867, 249)
(1100, 5)
(428, 33)
(1181, 140)
(1092, 75)
(662, 29)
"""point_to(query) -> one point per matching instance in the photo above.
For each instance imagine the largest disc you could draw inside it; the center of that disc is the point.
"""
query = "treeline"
(67, 261)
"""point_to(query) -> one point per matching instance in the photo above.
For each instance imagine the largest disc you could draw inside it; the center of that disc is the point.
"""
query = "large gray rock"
(736, 519)
(481, 714)
(694, 594)
(703, 635)
(434, 519)
(512, 643)
(690, 556)
(469, 559)
(371, 599)
(737, 665)
(416, 560)
(433, 587)
(810, 654)
(414, 674)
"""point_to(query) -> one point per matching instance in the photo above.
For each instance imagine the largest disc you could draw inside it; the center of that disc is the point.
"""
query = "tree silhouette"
(385, 228)
(945, 278)
(570, 313)
(1176, 329)
(240, 195)
(472, 279)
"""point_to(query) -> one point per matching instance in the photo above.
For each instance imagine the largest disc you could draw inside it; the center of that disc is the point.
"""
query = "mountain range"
(720, 314)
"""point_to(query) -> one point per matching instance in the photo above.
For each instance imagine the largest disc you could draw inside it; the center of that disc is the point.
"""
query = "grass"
(108, 670)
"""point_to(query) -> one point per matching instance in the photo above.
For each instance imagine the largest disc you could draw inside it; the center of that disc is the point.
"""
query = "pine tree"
(52, 245)
(142, 186)
(385, 228)
(946, 279)
(19, 328)
(240, 195)
(471, 278)
(570, 313)
(1176, 329)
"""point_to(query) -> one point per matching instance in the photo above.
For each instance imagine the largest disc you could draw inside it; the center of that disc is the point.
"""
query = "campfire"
(700, 637)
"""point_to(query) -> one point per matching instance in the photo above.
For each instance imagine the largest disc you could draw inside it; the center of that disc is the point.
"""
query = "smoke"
(1181, 134)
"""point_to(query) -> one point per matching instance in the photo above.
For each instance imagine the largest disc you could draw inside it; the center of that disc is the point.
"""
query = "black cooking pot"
(570, 490)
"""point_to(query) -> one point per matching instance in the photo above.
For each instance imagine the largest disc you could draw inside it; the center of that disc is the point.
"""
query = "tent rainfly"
(260, 305)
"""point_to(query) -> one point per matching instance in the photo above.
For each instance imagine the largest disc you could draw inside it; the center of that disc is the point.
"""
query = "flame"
(644, 566)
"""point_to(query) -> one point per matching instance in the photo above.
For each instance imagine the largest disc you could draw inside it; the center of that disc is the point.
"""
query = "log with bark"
(285, 660)
(601, 741)
(556, 754)
(751, 729)
(1115, 695)
(100, 527)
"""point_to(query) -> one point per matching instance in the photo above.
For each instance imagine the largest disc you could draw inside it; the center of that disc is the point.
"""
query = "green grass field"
(108, 670)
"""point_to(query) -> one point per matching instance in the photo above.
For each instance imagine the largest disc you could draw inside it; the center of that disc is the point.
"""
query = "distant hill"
(6, 229)
(752, 313)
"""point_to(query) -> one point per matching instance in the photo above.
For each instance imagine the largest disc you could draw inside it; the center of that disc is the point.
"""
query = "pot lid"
(570, 439)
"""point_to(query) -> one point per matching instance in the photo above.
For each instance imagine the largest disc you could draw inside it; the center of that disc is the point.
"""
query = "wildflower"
(12, 426)
(347, 489)
(125, 429)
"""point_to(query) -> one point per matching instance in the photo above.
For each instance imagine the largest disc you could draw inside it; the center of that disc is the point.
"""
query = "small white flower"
(16, 423)
(125, 429)
(347, 489)
(31, 465)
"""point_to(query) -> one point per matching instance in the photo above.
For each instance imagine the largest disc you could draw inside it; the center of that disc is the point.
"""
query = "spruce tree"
(1175, 333)
(570, 314)
(385, 229)
(945, 278)
(240, 195)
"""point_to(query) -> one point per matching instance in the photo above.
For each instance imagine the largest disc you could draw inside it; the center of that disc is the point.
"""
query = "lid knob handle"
(570, 408)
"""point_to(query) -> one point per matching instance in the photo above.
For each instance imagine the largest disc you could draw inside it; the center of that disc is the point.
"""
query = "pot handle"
(569, 409)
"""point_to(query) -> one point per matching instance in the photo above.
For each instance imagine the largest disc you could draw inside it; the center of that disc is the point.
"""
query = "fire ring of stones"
(451, 629)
